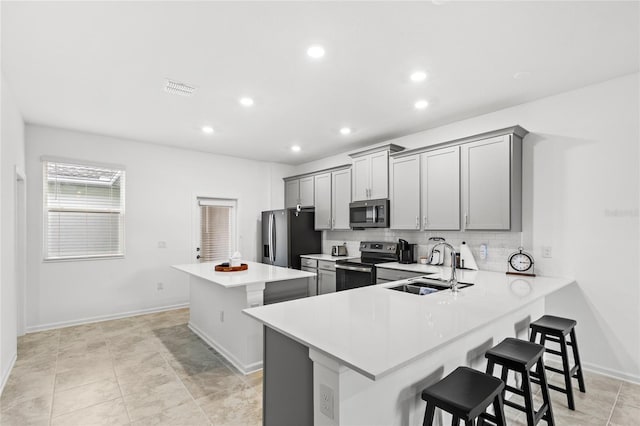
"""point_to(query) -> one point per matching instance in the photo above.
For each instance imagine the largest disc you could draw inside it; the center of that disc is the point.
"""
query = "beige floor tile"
(107, 413)
(22, 388)
(630, 394)
(184, 414)
(137, 363)
(241, 406)
(33, 411)
(625, 415)
(83, 360)
(84, 375)
(148, 381)
(212, 382)
(155, 401)
(84, 396)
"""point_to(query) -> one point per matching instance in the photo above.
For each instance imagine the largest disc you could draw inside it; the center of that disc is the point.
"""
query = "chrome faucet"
(453, 281)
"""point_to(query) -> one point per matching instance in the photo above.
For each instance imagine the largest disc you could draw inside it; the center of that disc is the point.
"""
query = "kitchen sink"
(422, 286)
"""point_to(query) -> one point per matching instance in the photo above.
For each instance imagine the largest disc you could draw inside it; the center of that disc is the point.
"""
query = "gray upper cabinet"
(299, 191)
(322, 201)
(291, 193)
(361, 175)
(405, 192)
(341, 197)
(370, 173)
(492, 183)
(379, 181)
(440, 189)
(306, 191)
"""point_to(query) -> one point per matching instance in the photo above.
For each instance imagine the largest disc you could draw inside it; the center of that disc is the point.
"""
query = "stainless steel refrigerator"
(286, 234)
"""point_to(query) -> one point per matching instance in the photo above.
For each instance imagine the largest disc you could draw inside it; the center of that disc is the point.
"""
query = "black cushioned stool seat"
(555, 329)
(466, 394)
(521, 356)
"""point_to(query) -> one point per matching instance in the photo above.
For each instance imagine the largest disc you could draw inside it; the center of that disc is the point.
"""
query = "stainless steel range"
(353, 273)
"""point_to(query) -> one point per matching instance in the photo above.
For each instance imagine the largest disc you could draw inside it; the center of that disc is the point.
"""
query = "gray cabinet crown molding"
(387, 147)
(513, 130)
(317, 172)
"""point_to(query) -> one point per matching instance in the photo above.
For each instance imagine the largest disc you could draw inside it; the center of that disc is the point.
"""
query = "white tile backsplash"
(499, 244)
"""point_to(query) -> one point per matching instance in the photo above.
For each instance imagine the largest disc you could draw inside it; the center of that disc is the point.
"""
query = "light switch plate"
(326, 401)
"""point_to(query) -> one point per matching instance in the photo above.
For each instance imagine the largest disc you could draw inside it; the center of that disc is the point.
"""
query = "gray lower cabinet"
(326, 277)
(313, 281)
(388, 275)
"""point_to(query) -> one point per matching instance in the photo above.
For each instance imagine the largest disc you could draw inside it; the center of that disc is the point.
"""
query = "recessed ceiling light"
(246, 102)
(295, 148)
(207, 129)
(418, 76)
(521, 75)
(421, 104)
(345, 131)
(315, 51)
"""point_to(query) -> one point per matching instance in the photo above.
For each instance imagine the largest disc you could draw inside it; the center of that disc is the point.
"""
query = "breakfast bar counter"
(372, 350)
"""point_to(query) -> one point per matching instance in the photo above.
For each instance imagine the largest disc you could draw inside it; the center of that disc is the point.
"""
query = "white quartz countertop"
(375, 330)
(328, 257)
(432, 271)
(256, 273)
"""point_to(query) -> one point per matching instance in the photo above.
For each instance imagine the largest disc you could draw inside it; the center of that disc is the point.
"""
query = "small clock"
(520, 263)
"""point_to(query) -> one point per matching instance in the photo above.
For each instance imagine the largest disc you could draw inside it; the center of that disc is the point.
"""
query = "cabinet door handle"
(417, 222)
(333, 223)
(424, 221)
(466, 218)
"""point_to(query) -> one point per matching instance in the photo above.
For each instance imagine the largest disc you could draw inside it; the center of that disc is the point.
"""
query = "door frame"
(20, 260)
(195, 221)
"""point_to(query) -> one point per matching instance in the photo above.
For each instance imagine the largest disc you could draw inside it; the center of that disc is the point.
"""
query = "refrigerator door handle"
(270, 231)
(273, 237)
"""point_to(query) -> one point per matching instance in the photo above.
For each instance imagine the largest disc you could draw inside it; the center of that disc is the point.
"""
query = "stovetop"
(374, 252)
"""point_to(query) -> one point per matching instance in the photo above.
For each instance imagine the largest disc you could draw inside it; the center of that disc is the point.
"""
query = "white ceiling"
(100, 66)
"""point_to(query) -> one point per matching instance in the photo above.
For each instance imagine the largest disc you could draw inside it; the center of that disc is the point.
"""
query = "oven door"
(350, 276)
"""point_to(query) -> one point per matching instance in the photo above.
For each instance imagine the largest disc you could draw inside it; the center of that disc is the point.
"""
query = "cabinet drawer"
(311, 263)
(395, 275)
(327, 265)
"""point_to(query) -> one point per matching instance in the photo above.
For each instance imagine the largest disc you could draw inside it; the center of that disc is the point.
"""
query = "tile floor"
(152, 370)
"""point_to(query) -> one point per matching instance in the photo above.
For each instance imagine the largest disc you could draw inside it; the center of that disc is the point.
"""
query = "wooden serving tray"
(224, 267)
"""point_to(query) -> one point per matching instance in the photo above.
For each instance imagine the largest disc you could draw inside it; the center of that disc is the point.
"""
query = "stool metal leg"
(528, 397)
(428, 414)
(545, 393)
(576, 358)
(567, 372)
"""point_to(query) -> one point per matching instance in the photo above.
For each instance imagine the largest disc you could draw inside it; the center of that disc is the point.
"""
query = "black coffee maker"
(406, 252)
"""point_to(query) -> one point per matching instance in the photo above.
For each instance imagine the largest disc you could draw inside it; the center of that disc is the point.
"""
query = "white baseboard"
(63, 324)
(6, 374)
(616, 374)
(244, 369)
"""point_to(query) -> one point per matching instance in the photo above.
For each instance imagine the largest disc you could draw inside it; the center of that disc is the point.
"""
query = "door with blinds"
(217, 229)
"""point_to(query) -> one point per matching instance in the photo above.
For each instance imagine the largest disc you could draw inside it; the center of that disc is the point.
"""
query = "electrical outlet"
(221, 316)
(326, 401)
(160, 286)
(484, 251)
(546, 252)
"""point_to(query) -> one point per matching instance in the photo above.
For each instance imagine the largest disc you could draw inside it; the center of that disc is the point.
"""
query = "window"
(83, 211)
(217, 228)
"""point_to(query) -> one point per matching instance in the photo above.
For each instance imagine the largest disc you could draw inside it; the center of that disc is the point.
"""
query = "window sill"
(82, 258)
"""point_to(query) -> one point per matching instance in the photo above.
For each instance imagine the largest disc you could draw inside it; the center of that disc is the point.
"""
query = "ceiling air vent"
(177, 88)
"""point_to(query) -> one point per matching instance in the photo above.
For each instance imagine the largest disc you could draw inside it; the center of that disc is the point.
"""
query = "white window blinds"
(217, 230)
(83, 211)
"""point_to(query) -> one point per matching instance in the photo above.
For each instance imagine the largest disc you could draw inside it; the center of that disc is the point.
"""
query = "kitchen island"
(216, 301)
(362, 357)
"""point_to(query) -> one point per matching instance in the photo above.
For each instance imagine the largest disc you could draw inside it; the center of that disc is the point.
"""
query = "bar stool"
(556, 329)
(465, 394)
(521, 356)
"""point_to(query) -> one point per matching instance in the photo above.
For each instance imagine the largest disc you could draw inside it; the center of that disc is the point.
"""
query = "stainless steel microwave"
(369, 214)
